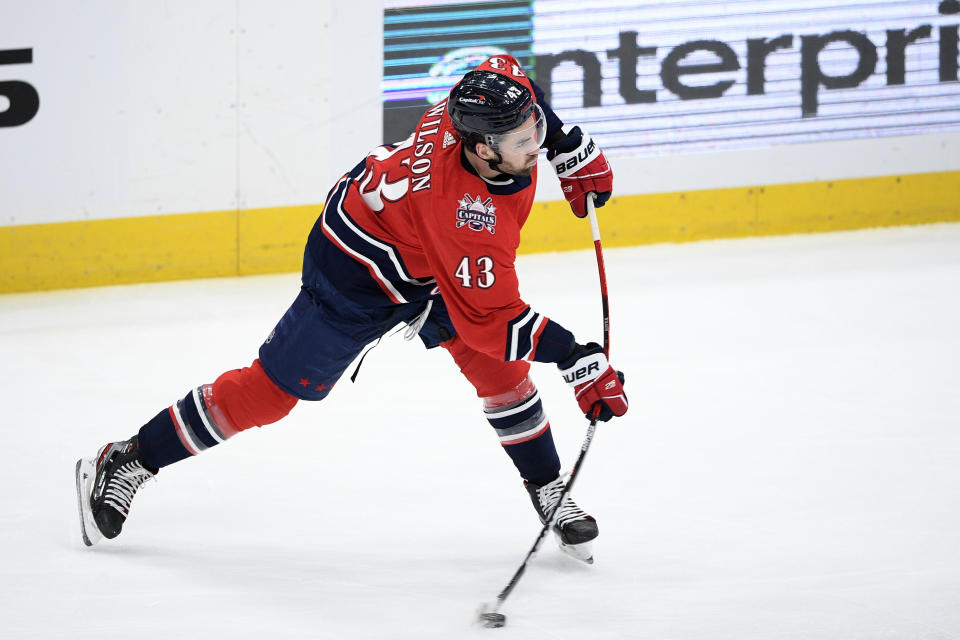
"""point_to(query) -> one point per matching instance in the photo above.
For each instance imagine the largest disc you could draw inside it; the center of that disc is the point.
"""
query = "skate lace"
(569, 511)
(124, 484)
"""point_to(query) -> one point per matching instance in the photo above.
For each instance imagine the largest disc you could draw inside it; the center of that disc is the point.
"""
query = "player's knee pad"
(489, 376)
(245, 398)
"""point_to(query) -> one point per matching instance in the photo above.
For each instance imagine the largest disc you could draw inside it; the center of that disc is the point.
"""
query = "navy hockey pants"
(323, 332)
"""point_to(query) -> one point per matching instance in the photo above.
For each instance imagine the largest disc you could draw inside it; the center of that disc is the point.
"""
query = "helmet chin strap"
(495, 163)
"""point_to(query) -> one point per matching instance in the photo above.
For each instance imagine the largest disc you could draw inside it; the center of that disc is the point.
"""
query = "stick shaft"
(598, 248)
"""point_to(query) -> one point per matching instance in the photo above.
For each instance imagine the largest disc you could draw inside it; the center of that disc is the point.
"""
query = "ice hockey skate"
(573, 528)
(105, 488)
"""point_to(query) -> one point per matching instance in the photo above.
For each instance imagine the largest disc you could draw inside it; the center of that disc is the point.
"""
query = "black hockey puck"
(493, 620)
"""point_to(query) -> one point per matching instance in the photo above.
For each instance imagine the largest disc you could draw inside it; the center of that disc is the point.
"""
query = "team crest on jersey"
(476, 214)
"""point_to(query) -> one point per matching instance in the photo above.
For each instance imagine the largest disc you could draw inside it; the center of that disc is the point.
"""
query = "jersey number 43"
(483, 276)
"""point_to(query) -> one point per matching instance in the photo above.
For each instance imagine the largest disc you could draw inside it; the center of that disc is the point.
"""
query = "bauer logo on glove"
(594, 382)
(583, 372)
(584, 153)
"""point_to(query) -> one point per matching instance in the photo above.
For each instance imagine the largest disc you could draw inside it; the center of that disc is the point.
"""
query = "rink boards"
(269, 240)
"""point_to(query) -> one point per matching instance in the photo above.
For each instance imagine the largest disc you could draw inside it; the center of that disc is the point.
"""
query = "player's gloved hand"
(594, 381)
(582, 168)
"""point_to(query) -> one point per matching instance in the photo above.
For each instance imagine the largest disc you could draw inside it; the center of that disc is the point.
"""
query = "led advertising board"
(691, 76)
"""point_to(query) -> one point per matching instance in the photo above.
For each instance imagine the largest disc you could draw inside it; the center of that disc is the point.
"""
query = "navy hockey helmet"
(485, 105)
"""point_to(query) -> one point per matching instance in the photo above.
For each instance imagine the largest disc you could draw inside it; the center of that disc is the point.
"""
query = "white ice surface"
(789, 468)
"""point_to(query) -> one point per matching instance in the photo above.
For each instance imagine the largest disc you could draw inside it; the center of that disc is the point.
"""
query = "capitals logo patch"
(476, 215)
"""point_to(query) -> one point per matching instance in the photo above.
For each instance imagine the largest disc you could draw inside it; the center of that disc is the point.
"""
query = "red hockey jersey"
(417, 220)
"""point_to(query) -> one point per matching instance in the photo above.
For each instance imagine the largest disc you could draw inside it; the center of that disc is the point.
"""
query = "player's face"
(520, 147)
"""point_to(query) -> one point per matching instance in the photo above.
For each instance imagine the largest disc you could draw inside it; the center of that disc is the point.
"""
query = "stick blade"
(489, 618)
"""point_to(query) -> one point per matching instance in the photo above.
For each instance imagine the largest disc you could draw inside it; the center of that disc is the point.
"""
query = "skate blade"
(85, 474)
(582, 552)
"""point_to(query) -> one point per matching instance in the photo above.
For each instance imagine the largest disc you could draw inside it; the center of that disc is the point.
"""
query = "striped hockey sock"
(184, 429)
(208, 415)
(524, 431)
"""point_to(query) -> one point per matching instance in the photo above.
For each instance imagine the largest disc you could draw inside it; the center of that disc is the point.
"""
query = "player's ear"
(485, 152)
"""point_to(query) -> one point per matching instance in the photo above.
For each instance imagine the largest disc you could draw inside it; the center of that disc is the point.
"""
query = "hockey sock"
(524, 431)
(210, 414)
(181, 430)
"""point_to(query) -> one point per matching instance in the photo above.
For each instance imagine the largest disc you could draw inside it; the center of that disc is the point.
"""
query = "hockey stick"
(489, 614)
(604, 299)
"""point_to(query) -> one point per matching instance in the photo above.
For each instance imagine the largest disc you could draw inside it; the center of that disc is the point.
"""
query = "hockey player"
(422, 232)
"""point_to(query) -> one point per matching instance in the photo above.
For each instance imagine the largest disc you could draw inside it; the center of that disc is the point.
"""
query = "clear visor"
(526, 140)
